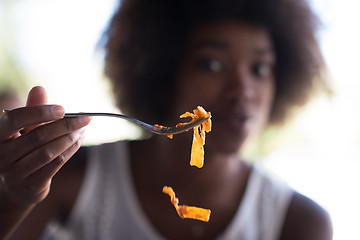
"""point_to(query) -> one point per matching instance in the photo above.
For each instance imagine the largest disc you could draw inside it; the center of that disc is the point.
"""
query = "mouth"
(235, 121)
(231, 127)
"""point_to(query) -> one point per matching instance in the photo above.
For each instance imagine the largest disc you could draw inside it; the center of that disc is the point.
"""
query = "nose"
(241, 85)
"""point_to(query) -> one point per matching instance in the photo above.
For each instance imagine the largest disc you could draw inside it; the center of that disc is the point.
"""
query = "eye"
(211, 65)
(262, 70)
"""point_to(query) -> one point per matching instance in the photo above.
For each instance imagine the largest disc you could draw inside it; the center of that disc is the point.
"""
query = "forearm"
(11, 216)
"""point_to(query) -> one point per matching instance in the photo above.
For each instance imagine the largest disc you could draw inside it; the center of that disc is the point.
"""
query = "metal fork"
(180, 128)
(157, 129)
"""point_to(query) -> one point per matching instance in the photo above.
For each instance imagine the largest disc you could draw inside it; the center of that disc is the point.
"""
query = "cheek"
(267, 99)
(194, 90)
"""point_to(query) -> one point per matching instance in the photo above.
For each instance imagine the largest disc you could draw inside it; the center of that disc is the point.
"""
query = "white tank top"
(107, 207)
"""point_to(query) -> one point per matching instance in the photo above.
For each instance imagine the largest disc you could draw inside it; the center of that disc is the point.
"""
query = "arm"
(11, 215)
(306, 220)
(28, 161)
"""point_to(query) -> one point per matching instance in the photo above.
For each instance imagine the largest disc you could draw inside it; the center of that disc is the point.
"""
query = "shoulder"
(305, 219)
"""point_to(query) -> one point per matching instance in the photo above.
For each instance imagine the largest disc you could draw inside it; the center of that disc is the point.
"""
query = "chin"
(225, 142)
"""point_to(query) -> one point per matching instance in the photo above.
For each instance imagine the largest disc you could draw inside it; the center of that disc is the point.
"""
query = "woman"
(248, 62)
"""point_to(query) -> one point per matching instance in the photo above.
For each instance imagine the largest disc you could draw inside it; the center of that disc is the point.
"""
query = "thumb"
(36, 96)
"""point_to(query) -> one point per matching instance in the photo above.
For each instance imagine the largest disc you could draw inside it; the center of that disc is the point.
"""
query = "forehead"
(224, 34)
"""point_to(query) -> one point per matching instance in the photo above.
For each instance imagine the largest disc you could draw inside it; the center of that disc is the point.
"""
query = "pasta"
(163, 127)
(197, 159)
(197, 149)
(187, 211)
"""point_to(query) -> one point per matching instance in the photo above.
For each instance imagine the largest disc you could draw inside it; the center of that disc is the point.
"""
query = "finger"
(46, 154)
(49, 170)
(15, 120)
(38, 137)
(36, 96)
(45, 134)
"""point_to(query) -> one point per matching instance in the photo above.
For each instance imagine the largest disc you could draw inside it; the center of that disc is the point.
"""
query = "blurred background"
(54, 43)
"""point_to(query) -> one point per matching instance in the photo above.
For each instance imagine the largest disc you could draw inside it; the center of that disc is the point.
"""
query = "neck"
(167, 162)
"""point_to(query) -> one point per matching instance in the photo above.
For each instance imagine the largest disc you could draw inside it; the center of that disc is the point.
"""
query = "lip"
(235, 121)
(231, 128)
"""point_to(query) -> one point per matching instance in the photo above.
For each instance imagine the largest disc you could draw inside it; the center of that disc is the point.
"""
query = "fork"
(157, 129)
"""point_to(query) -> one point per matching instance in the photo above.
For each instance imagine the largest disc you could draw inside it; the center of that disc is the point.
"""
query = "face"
(228, 69)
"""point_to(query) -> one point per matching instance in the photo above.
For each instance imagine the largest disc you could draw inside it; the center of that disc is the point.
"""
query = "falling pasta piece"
(187, 211)
(197, 149)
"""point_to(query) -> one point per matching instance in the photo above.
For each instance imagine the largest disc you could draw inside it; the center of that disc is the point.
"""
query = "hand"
(35, 142)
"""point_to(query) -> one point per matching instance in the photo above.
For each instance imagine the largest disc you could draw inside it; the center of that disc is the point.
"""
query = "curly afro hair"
(145, 40)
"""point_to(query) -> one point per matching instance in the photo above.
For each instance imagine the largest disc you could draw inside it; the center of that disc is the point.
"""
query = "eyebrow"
(260, 51)
(264, 51)
(211, 43)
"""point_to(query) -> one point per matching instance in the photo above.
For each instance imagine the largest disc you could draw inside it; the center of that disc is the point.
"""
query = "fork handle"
(133, 120)
(94, 114)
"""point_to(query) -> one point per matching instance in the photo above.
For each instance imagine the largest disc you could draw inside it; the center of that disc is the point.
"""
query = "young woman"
(247, 62)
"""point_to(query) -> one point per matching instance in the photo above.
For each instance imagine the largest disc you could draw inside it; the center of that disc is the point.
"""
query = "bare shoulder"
(65, 187)
(305, 219)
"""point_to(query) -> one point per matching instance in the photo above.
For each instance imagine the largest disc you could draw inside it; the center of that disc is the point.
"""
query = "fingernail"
(58, 111)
